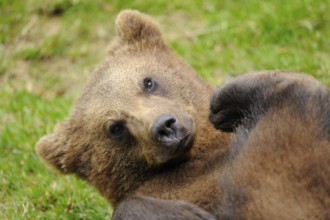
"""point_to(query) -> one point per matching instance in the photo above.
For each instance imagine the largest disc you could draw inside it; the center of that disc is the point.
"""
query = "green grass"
(48, 49)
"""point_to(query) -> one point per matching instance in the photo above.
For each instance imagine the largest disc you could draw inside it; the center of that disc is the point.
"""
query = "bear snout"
(165, 129)
(168, 131)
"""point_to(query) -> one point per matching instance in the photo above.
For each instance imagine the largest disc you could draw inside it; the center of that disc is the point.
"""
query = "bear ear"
(52, 149)
(134, 26)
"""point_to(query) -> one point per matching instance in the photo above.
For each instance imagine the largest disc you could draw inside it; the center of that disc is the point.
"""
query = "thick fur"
(150, 208)
(277, 167)
(130, 169)
(279, 164)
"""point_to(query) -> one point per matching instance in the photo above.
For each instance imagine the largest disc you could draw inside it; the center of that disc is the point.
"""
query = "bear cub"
(140, 134)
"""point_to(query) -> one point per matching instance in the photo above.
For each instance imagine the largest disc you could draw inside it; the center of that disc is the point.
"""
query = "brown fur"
(137, 165)
(279, 165)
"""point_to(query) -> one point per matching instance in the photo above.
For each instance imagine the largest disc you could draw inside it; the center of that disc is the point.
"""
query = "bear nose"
(165, 128)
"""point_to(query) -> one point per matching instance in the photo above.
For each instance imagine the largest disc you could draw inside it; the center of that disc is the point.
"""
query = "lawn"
(49, 48)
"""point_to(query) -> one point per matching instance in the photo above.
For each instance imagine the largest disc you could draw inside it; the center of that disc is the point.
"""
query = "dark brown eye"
(149, 84)
(116, 129)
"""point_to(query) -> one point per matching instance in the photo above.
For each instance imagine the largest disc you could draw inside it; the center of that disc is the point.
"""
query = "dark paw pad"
(229, 106)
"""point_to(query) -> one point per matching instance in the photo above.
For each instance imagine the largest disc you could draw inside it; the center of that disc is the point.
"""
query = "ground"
(48, 48)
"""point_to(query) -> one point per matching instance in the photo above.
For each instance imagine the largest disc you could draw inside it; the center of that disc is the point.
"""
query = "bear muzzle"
(173, 134)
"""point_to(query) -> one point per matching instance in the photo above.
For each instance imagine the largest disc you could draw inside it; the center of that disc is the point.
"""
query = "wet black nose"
(165, 128)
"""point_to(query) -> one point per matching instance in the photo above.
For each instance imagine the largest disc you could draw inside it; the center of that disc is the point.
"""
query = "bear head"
(141, 109)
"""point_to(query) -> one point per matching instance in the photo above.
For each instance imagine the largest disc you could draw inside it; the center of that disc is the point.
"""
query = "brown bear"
(140, 132)
(279, 163)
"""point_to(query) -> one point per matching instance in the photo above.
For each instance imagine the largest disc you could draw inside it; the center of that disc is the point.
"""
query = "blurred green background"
(49, 48)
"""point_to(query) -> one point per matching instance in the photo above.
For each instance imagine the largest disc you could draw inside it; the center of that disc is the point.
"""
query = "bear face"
(143, 110)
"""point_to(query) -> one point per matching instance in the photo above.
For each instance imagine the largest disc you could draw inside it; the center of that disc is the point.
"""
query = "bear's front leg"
(238, 100)
(242, 102)
(149, 208)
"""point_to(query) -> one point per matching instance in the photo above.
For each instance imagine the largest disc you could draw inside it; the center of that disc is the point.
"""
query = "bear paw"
(242, 101)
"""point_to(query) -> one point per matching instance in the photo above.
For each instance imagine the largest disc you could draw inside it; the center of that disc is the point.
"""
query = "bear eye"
(149, 84)
(116, 129)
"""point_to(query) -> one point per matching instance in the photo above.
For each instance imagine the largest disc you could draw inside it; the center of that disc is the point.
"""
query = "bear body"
(140, 134)
(279, 163)
(140, 129)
